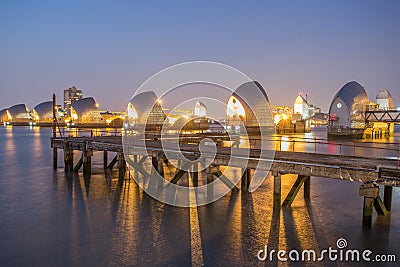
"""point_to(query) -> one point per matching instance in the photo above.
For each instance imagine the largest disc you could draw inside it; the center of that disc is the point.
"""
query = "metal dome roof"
(353, 95)
(44, 108)
(17, 110)
(84, 105)
(383, 94)
(253, 96)
(200, 104)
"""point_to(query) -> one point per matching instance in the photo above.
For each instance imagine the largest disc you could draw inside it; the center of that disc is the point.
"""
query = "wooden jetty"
(371, 172)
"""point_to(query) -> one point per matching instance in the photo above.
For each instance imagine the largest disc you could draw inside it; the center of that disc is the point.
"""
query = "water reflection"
(108, 221)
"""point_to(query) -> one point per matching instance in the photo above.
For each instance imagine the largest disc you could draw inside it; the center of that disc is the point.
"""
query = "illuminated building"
(301, 108)
(144, 110)
(70, 96)
(5, 116)
(385, 100)
(86, 110)
(249, 107)
(347, 109)
(19, 113)
(200, 110)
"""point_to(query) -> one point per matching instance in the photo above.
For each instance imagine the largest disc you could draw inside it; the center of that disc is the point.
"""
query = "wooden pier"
(371, 172)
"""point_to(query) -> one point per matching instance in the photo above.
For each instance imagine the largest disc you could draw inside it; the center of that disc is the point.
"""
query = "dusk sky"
(108, 48)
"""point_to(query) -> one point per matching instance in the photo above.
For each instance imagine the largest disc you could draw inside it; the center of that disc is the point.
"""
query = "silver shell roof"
(383, 94)
(353, 95)
(144, 103)
(18, 110)
(44, 108)
(84, 105)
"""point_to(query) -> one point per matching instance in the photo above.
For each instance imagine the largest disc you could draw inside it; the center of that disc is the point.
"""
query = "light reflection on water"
(48, 218)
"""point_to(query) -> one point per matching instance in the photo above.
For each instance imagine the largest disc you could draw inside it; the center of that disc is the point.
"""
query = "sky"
(109, 48)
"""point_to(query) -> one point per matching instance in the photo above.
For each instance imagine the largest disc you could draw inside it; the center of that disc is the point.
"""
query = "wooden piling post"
(367, 212)
(121, 166)
(195, 172)
(244, 178)
(68, 159)
(369, 192)
(105, 159)
(210, 179)
(87, 162)
(277, 188)
(387, 197)
(55, 159)
(306, 187)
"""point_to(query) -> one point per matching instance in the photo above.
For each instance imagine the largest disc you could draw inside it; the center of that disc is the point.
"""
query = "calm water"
(50, 219)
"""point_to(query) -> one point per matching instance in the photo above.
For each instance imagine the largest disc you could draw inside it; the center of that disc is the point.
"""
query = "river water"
(48, 218)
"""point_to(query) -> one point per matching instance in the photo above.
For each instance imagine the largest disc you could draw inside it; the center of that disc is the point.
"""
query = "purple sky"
(108, 49)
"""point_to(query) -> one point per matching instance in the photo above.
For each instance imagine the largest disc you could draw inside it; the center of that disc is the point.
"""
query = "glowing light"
(108, 121)
(159, 101)
(132, 113)
(235, 109)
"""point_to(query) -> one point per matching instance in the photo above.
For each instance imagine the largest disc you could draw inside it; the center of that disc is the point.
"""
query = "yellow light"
(97, 105)
(235, 108)
(108, 121)
(284, 116)
(159, 101)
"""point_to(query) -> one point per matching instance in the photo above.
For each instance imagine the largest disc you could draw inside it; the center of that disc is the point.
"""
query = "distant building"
(70, 96)
(43, 112)
(144, 111)
(200, 109)
(249, 107)
(19, 113)
(301, 108)
(384, 100)
(5, 116)
(348, 107)
(86, 111)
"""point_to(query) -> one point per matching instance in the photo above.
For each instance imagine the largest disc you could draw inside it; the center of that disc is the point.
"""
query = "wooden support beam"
(210, 179)
(68, 160)
(387, 197)
(121, 166)
(225, 180)
(112, 163)
(142, 160)
(367, 212)
(87, 162)
(248, 180)
(55, 159)
(195, 174)
(307, 187)
(277, 189)
(105, 159)
(178, 175)
(243, 180)
(294, 190)
(137, 167)
(79, 164)
(379, 206)
(370, 192)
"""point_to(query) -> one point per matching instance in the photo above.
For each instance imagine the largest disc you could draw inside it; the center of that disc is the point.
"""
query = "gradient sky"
(108, 48)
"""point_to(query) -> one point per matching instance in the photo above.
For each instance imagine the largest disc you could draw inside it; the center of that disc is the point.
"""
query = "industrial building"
(144, 110)
(86, 110)
(347, 110)
(249, 107)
